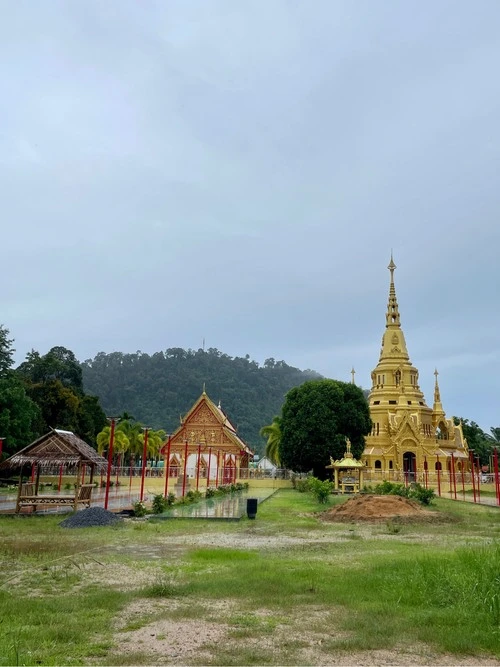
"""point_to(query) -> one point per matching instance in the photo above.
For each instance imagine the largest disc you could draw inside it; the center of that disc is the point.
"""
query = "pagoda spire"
(437, 407)
(392, 316)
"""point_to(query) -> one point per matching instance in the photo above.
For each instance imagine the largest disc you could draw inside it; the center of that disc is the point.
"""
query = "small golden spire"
(392, 317)
(353, 373)
(204, 388)
(437, 396)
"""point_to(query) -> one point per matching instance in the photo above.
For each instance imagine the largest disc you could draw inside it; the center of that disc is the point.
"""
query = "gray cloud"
(240, 171)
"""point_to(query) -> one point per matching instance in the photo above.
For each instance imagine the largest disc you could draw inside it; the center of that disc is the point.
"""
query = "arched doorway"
(410, 466)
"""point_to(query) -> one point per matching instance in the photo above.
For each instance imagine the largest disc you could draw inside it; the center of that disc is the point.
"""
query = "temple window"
(390, 464)
(393, 402)
(376, 402)
(438, 465)
(409, 402)
(378, 465)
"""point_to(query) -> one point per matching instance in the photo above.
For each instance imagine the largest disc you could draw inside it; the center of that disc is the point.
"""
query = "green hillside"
(156, 389)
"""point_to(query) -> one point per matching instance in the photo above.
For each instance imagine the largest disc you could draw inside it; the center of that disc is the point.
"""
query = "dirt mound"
(378, 508)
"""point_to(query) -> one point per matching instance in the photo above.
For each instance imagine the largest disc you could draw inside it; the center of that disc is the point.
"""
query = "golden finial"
(391, 267)
(204, 388)
(353, 373)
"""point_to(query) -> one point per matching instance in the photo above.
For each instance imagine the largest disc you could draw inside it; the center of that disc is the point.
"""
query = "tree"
(132, 430)
(273, 434)
(495, 435)
(6, 352)
(120, 440)
(58, 364)
(20, 417)
(477, 440)
(317, 417)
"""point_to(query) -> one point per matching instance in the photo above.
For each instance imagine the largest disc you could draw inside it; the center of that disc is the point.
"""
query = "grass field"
(284, 589)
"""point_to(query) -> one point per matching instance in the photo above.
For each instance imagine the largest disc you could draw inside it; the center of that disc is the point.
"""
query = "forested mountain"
(156, 389)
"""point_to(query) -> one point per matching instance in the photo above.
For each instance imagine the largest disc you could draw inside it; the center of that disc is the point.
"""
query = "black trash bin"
(252, 507)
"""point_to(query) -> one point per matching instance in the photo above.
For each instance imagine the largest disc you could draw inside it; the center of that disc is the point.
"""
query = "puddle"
(229, 507)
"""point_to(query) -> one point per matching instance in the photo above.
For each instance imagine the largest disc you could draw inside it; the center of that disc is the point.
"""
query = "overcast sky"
(238, 171)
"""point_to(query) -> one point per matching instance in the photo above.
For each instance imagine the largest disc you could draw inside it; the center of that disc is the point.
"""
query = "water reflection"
(232, 506)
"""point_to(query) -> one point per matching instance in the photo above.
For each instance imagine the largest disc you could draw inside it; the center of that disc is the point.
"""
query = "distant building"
(266, 464)
(407, 435)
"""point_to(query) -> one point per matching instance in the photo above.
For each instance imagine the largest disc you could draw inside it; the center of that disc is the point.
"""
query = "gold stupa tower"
(406, 432)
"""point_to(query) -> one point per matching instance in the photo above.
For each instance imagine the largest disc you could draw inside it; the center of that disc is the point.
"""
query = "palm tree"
(495, 435)
(120, 441)
(132, 429)
(155, 441)
(273, 434)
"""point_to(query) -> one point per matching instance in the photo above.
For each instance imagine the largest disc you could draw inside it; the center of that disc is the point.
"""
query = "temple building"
(205, 447)
(407, 437)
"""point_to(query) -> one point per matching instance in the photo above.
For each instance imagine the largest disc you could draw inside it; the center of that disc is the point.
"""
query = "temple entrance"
(410, 466)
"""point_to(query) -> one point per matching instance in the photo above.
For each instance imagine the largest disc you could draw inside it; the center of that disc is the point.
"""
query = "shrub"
(170, 499)
(159, 504)
(193, 496)
(139, 509)
(420, 493)
(210, 492)
(320, 490)
(302, 485)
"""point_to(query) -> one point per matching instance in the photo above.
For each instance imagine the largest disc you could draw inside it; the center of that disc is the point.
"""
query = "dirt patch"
(380, 508)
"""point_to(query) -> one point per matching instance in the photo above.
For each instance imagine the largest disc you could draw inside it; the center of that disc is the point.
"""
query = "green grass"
(334, 587)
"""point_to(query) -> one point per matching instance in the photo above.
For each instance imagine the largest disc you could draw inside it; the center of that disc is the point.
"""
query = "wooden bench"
(27, 497)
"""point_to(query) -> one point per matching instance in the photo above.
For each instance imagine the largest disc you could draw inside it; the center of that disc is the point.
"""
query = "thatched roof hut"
(54, 449)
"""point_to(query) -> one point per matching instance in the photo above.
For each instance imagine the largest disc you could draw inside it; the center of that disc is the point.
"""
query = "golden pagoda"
(407, 437)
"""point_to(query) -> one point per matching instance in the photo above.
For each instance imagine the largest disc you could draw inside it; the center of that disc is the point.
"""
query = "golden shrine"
(205, 447)
(347, 472)
(407, 436)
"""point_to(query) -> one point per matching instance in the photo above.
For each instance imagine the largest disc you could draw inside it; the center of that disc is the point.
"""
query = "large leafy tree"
(477, 440)
(317, 417)
(20, 418)
(6, 352)
(54, 382)
(273, 434)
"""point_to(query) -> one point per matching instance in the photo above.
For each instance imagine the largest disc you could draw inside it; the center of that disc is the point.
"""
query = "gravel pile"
(93, 516)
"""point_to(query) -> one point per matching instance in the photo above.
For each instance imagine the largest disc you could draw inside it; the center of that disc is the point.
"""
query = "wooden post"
(438, 467)
(454, 475)
(463, 478)
(478, 480)
(167, 467)
(110, 462)
(497, 478)
(471, 459)
(185, 469)
(209, 462)
(144, 456)
(198, 467)
(77, 485)
(217, 472)
(18, 506)
(60, 478)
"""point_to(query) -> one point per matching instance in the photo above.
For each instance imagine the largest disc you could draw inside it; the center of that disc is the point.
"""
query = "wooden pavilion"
(205, 446)
(54, 452)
